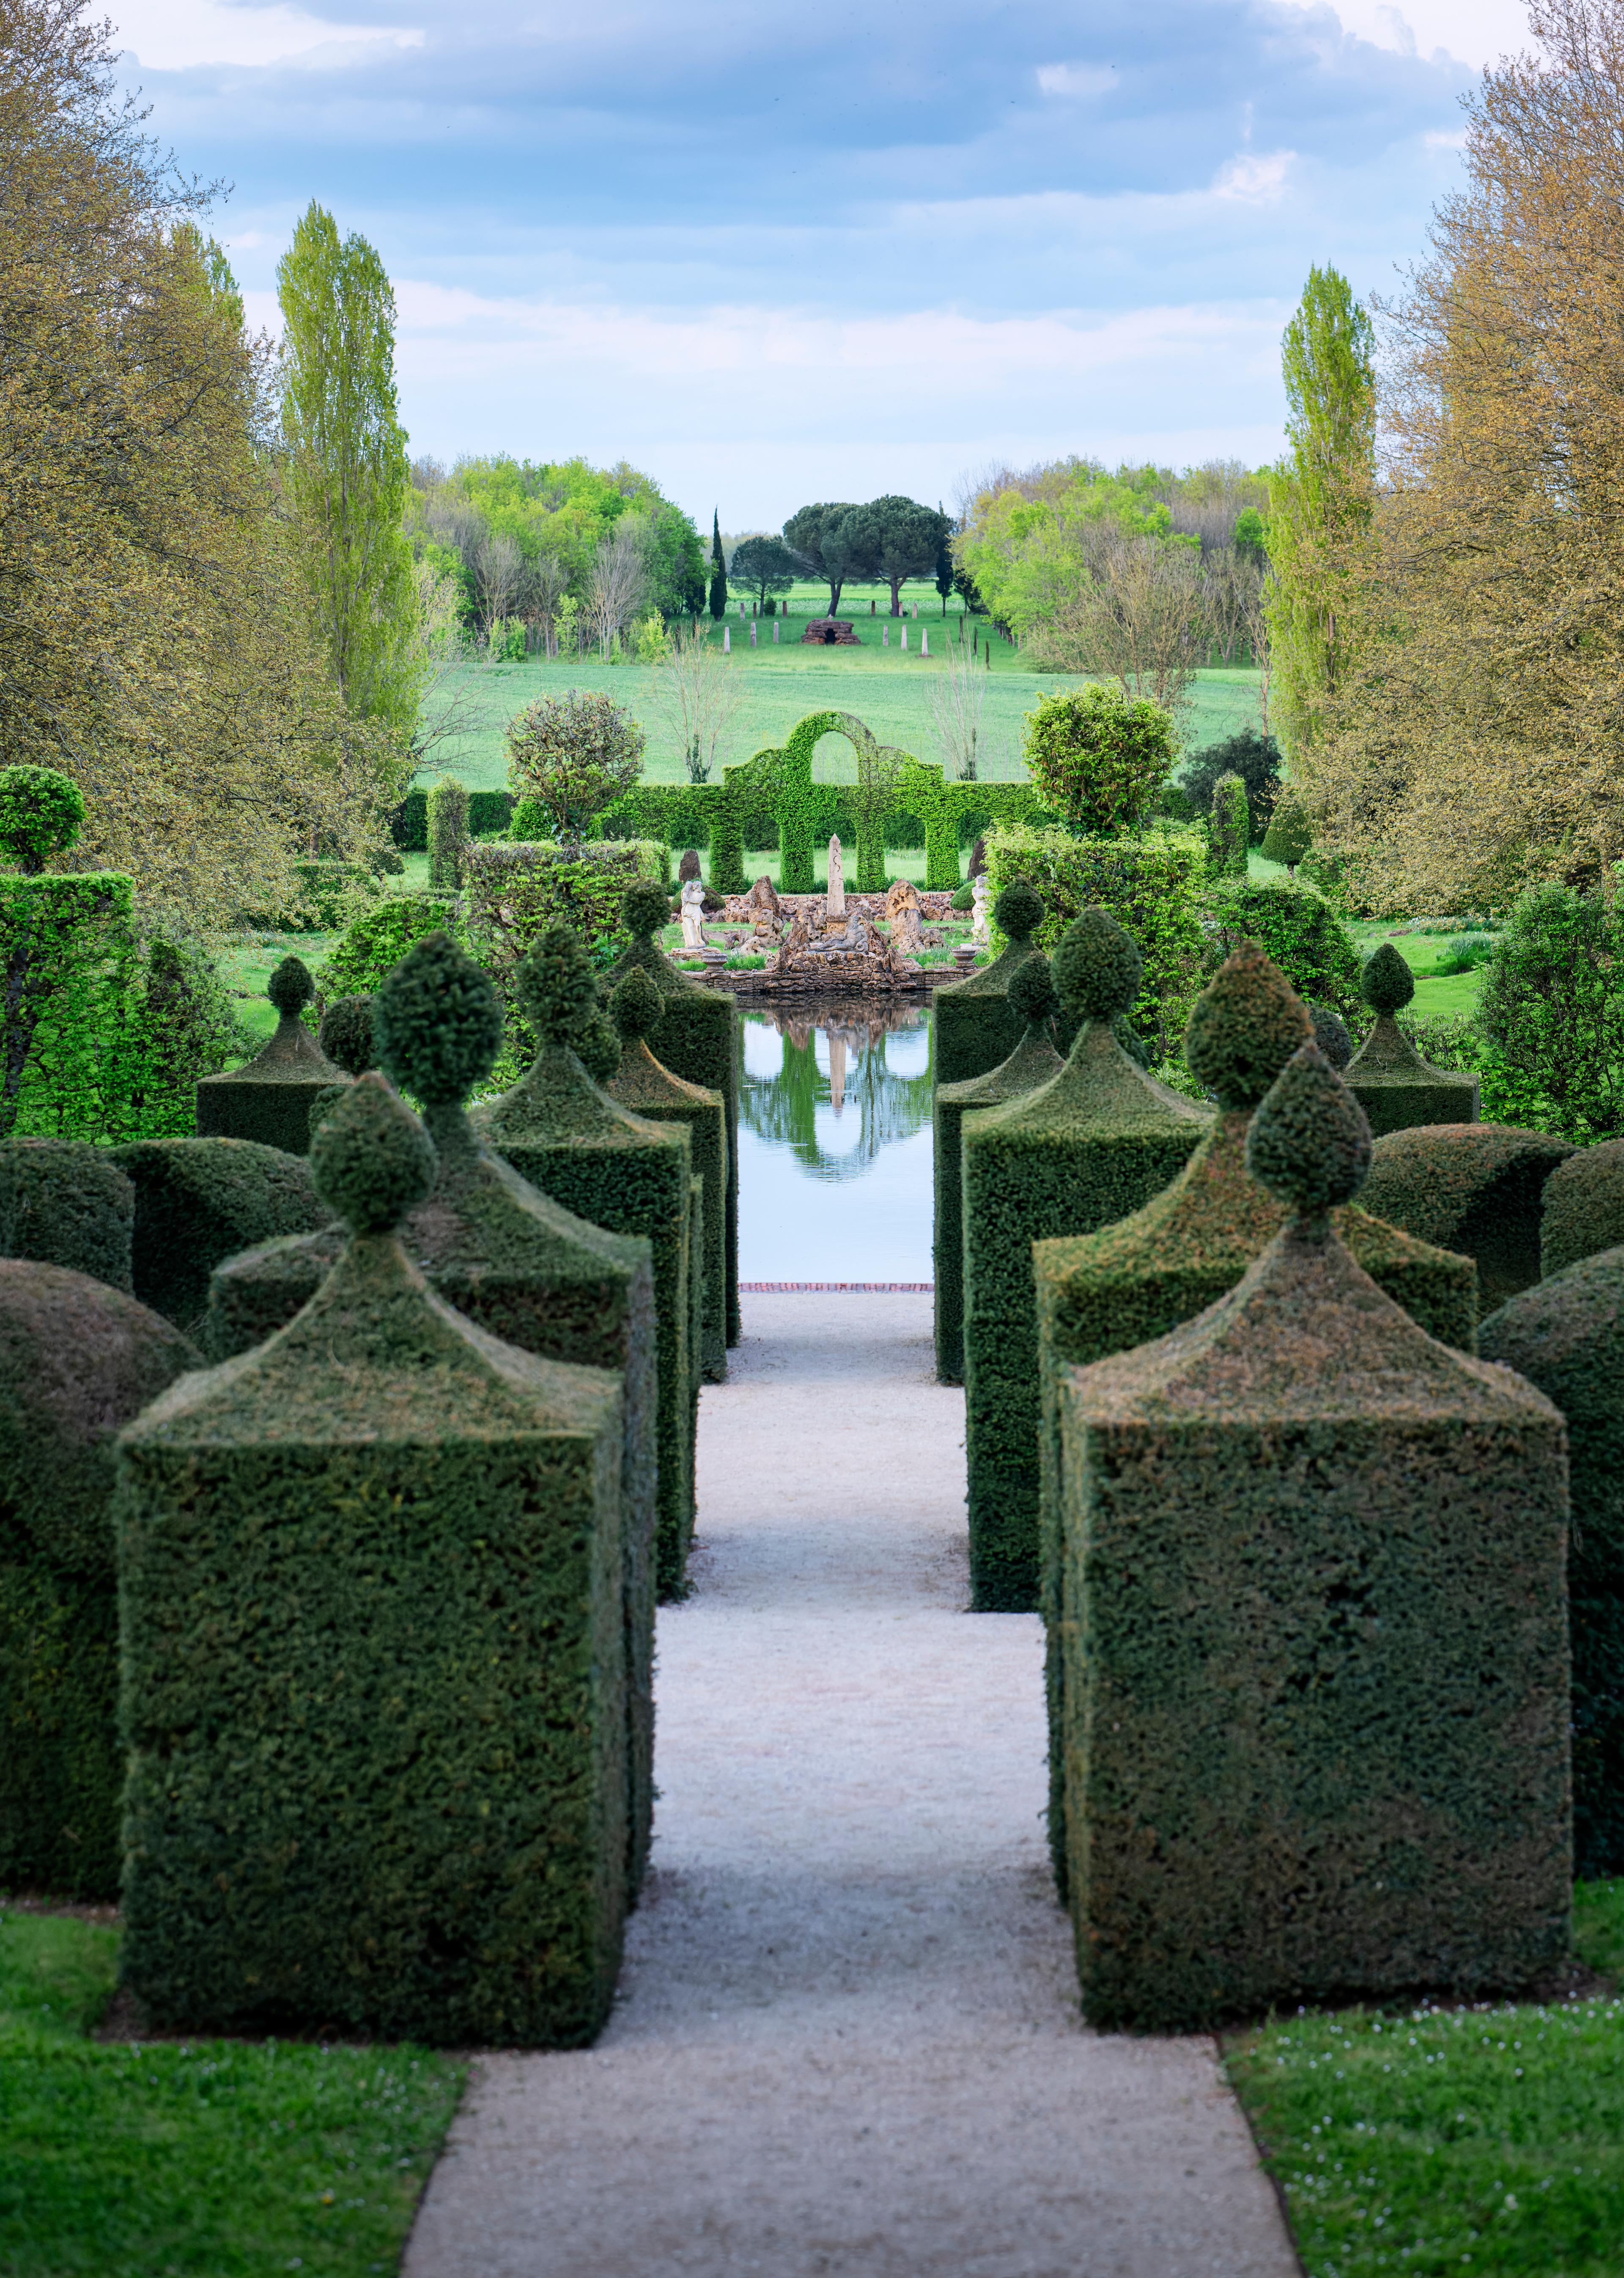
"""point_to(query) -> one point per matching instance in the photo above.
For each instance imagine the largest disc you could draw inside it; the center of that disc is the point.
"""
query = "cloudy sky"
(772, 253)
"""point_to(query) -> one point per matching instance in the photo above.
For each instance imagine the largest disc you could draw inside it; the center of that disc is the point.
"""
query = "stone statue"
(981, 897)
(693, 915)
(835, 905)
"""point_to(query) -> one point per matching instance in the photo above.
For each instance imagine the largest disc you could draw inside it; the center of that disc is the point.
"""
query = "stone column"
(836, 904)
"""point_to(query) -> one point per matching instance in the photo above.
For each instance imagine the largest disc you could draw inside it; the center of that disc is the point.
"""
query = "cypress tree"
(719, 569)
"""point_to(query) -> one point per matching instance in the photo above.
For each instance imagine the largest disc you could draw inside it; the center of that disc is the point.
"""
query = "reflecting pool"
(835, 1160)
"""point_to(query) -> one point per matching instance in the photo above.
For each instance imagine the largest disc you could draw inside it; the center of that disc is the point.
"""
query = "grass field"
(885, 687)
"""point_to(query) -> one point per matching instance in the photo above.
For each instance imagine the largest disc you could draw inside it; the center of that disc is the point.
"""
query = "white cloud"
(177, 34)
(1476, 32)
(1254, 180)
(1077, 79)
(1440, 141)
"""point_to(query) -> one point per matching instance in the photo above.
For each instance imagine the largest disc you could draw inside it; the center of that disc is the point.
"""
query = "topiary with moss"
(374, 1693)
(64, 1203)
(1035, 1000)
(78, 1360)
(698, 1039)
(649, 1091)
(567, 1135)
(974, 1029)
(1476, 1188)
(1094, 1141)
(1582, 1206)
(346, 1035)
(508, 1258)
(1311, 1610)
(269, 1099)
(1393, 1083)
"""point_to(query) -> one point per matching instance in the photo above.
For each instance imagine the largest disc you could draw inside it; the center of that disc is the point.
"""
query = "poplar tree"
(1320, 500)
(347, 472)
(719, 569)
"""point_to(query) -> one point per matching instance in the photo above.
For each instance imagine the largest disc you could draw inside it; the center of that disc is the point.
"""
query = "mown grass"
(1426, 2139)
(199, 2159)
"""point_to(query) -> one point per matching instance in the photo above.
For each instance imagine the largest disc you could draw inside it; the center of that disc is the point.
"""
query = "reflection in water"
(834, 1142)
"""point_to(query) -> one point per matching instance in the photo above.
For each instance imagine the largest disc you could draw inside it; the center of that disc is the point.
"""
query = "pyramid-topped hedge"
(975, 1027)
(1387, 1075)
(1094, 1143)
(1033, 998)
(563, 1132)
(269, 1099)
(374, 1690)
(1313, 1612)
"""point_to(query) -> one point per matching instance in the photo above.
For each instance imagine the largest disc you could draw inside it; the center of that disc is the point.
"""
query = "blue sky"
(771, 253)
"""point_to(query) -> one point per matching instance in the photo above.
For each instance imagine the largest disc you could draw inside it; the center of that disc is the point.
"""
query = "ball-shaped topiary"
(437, 1022)
(1387, 984)
(646, 909)
(290, 987)
(964, 899)
(41, 813)
(637, 1005)
(1019, 911)
(1033, 994)
(1330, 1034)
(1309, 1142)
(1097, 967)
(1244, 1027)
(371, 1160)
(556, 987)
(346, 1035)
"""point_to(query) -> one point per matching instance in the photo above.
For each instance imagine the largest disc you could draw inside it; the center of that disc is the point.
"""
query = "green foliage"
(1387, 984)
(651, 1090)
(1228, 829)
(271, 1097)
(1290, 835)
(1584, 1207)
(1309, 1144)
(448, 830)
(371, 1160)
(199, 1201)
(1256, 759)
(964, 898)
(376, 942)
(1393, 1083)
(187, 1029)
(64, 1203)
(69, 958)
(555, 984)
(250, 2156)
(1429, 2138)
(1330, 1034)
(1552, 1007)
(516, 893)
(806, 530)
(437, 1022)
(719, 569)
(1476, 1188)
(894, 539)
(1098, 969)
(1031, 1061)
(573, 754)
(41, 812)
(1244, 1027)
(1034, 996)
(973, 1027)
(1297, 928)
(637, 1005)
(1098, 760)
(346, 1034)
(761, 566)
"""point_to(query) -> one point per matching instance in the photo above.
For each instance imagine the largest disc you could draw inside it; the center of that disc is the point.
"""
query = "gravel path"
(847, 2043)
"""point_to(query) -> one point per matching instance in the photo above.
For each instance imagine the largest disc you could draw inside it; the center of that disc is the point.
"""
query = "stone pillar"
(836, 904)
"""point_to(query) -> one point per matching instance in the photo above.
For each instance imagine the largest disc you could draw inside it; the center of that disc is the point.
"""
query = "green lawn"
(885, 687)
(195, 2158)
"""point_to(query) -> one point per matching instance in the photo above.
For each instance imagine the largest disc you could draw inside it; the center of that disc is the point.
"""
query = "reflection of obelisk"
(835, 905)
(837, 1064)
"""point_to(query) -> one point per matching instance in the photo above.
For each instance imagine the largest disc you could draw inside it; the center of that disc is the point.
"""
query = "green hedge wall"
(488, 812)
(516, 891)
(567, 1138)
(77, 1361)
(973, 1027)
(373, 1684)
(1476, 1188)
(64, 1203)
(1298, 928)
(1029, 1065)
(1568, 1337)
(69, 1041)
(199, 1201)
(652, 1092)
(1090, 1145)
(1583, 1208)
(1313, 1622)
(1399, 1090)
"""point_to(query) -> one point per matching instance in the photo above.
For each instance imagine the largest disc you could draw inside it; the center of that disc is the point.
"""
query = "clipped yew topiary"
(508, 1258)
(1332, 1036)
(269, 1099)
(1387, 1075)
(373, 1681)
(198, 1202)
(1094, 1143)
(565, 1134)
(1313, 1617)
(975, 1027)
(1033, 998)
(1474, 1187)
(1567, 1335)
(346, 1035)
(698, 1039)
(1135, 1281)
(1583, 1206)
(77, 1361)
(649, 1091)
(65, 1203)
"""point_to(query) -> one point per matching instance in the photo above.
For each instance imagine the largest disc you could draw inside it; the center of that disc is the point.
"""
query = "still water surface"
(834, 1143)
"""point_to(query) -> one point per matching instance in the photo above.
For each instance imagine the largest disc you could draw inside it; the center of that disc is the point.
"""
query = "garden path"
(847, 2043)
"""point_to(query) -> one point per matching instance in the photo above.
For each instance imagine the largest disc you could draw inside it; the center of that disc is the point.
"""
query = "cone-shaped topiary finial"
(371, 1160)
(556, 987)
(346, 1035)
(637, 1005)
(1033, 994)
(1244, 1027)
(1387, 984)
(646, 910)
(1309, 1142)
(1019, 911)
(437, 1021)
(1330, 1034)
(1097, 967)
(290, 988)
